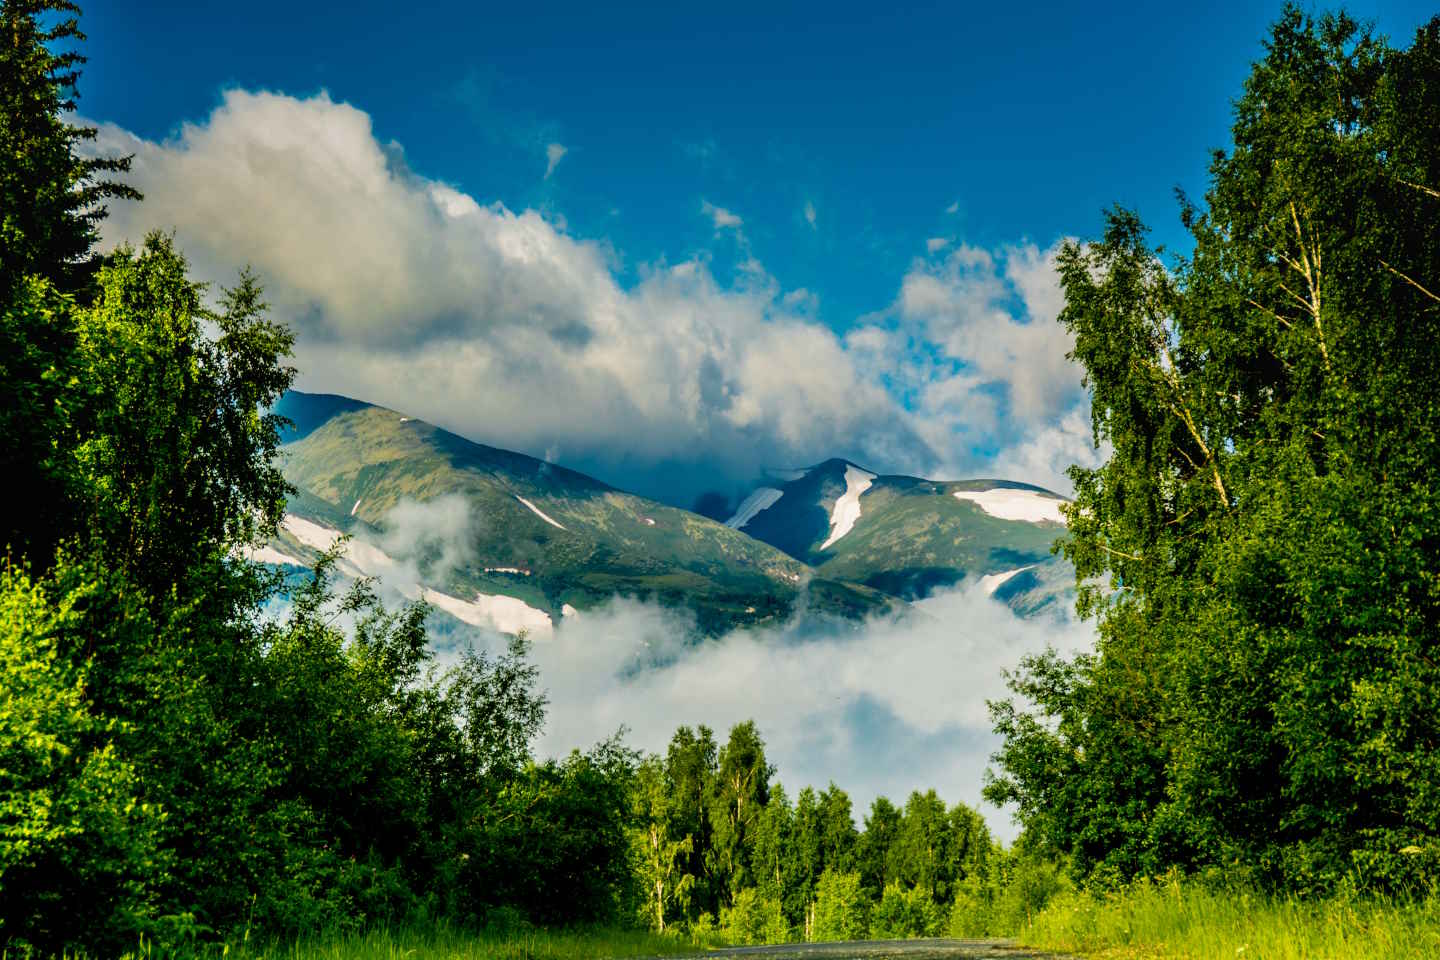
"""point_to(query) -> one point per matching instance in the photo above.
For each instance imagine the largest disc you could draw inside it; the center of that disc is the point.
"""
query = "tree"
(838, 837)
(175, 438)
(770, 855)
(874, 856)
(51, 201)
(690, 770)
(73, 818)
(741, 790)
(807, 859)
(51, 194)
(923, 845)
(1256, 548)
(659, 852)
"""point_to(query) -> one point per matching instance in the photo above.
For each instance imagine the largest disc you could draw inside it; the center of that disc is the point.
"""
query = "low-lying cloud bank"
(506, 328)
(883, 707)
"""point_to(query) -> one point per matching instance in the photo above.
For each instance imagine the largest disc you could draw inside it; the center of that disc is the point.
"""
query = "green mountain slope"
(912, 536)
(540, 534)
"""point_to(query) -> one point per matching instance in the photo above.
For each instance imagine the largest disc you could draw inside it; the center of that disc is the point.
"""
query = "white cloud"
(722, 218)
(896, 705)
(810, 213)
(502, 326)
(953, 208)
(994, 315)
(801, 300)
(553, 154)
(936, 244)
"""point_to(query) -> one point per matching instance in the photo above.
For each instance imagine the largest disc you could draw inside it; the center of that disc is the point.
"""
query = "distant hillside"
(908, 536)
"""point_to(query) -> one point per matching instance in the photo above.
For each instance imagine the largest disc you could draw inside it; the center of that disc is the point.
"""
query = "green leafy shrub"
(753, 919)
(842, 911)
(903, 913)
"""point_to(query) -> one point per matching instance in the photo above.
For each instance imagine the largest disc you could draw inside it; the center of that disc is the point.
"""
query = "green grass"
(1176, 919)
(446, 943)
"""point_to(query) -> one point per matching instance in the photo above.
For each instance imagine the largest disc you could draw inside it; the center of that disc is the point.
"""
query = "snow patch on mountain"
(538, 512)
(762, 499)
(358, 559)
(992, 582)
(268, 554)
(847, 507)
(1010, 504)
(311, 534)
(786, 476)
(495, 611)
(506, 614)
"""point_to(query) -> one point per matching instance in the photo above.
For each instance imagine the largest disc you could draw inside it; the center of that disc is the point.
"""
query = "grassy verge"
(1164, 920)
(443, 943)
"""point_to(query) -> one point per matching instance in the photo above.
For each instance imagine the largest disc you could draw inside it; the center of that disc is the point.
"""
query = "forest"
(182, 766)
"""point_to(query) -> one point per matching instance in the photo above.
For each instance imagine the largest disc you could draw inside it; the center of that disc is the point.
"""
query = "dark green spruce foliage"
(51, 200)
(51, 196)
(1261, 548)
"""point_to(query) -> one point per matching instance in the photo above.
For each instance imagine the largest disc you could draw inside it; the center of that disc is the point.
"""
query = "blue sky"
(818, 148)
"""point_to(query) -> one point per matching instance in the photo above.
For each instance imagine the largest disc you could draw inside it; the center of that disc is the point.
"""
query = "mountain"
(907, 536)
(515, 542)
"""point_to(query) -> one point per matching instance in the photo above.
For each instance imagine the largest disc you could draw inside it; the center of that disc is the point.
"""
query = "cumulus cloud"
(1002, 382)
(893, 705)
(553, 154)
(810, 213)
(506, 328)
(936, 244)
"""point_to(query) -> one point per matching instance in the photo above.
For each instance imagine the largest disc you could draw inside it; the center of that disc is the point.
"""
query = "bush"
(1018, 886)
(753, 920)
(841, 907)
(78, 845)
(902, 914)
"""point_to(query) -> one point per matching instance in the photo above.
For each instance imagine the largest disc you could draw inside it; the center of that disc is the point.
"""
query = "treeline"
(718, 845)
(1260, 550)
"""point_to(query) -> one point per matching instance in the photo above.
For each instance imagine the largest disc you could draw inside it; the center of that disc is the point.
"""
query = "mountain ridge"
(559, 542)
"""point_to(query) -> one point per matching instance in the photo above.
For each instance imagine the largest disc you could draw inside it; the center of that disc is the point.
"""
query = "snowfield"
(993, 582)
(847, 507)
(762, 499)
(506, 614)
(538, 512)
(1010, 504)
